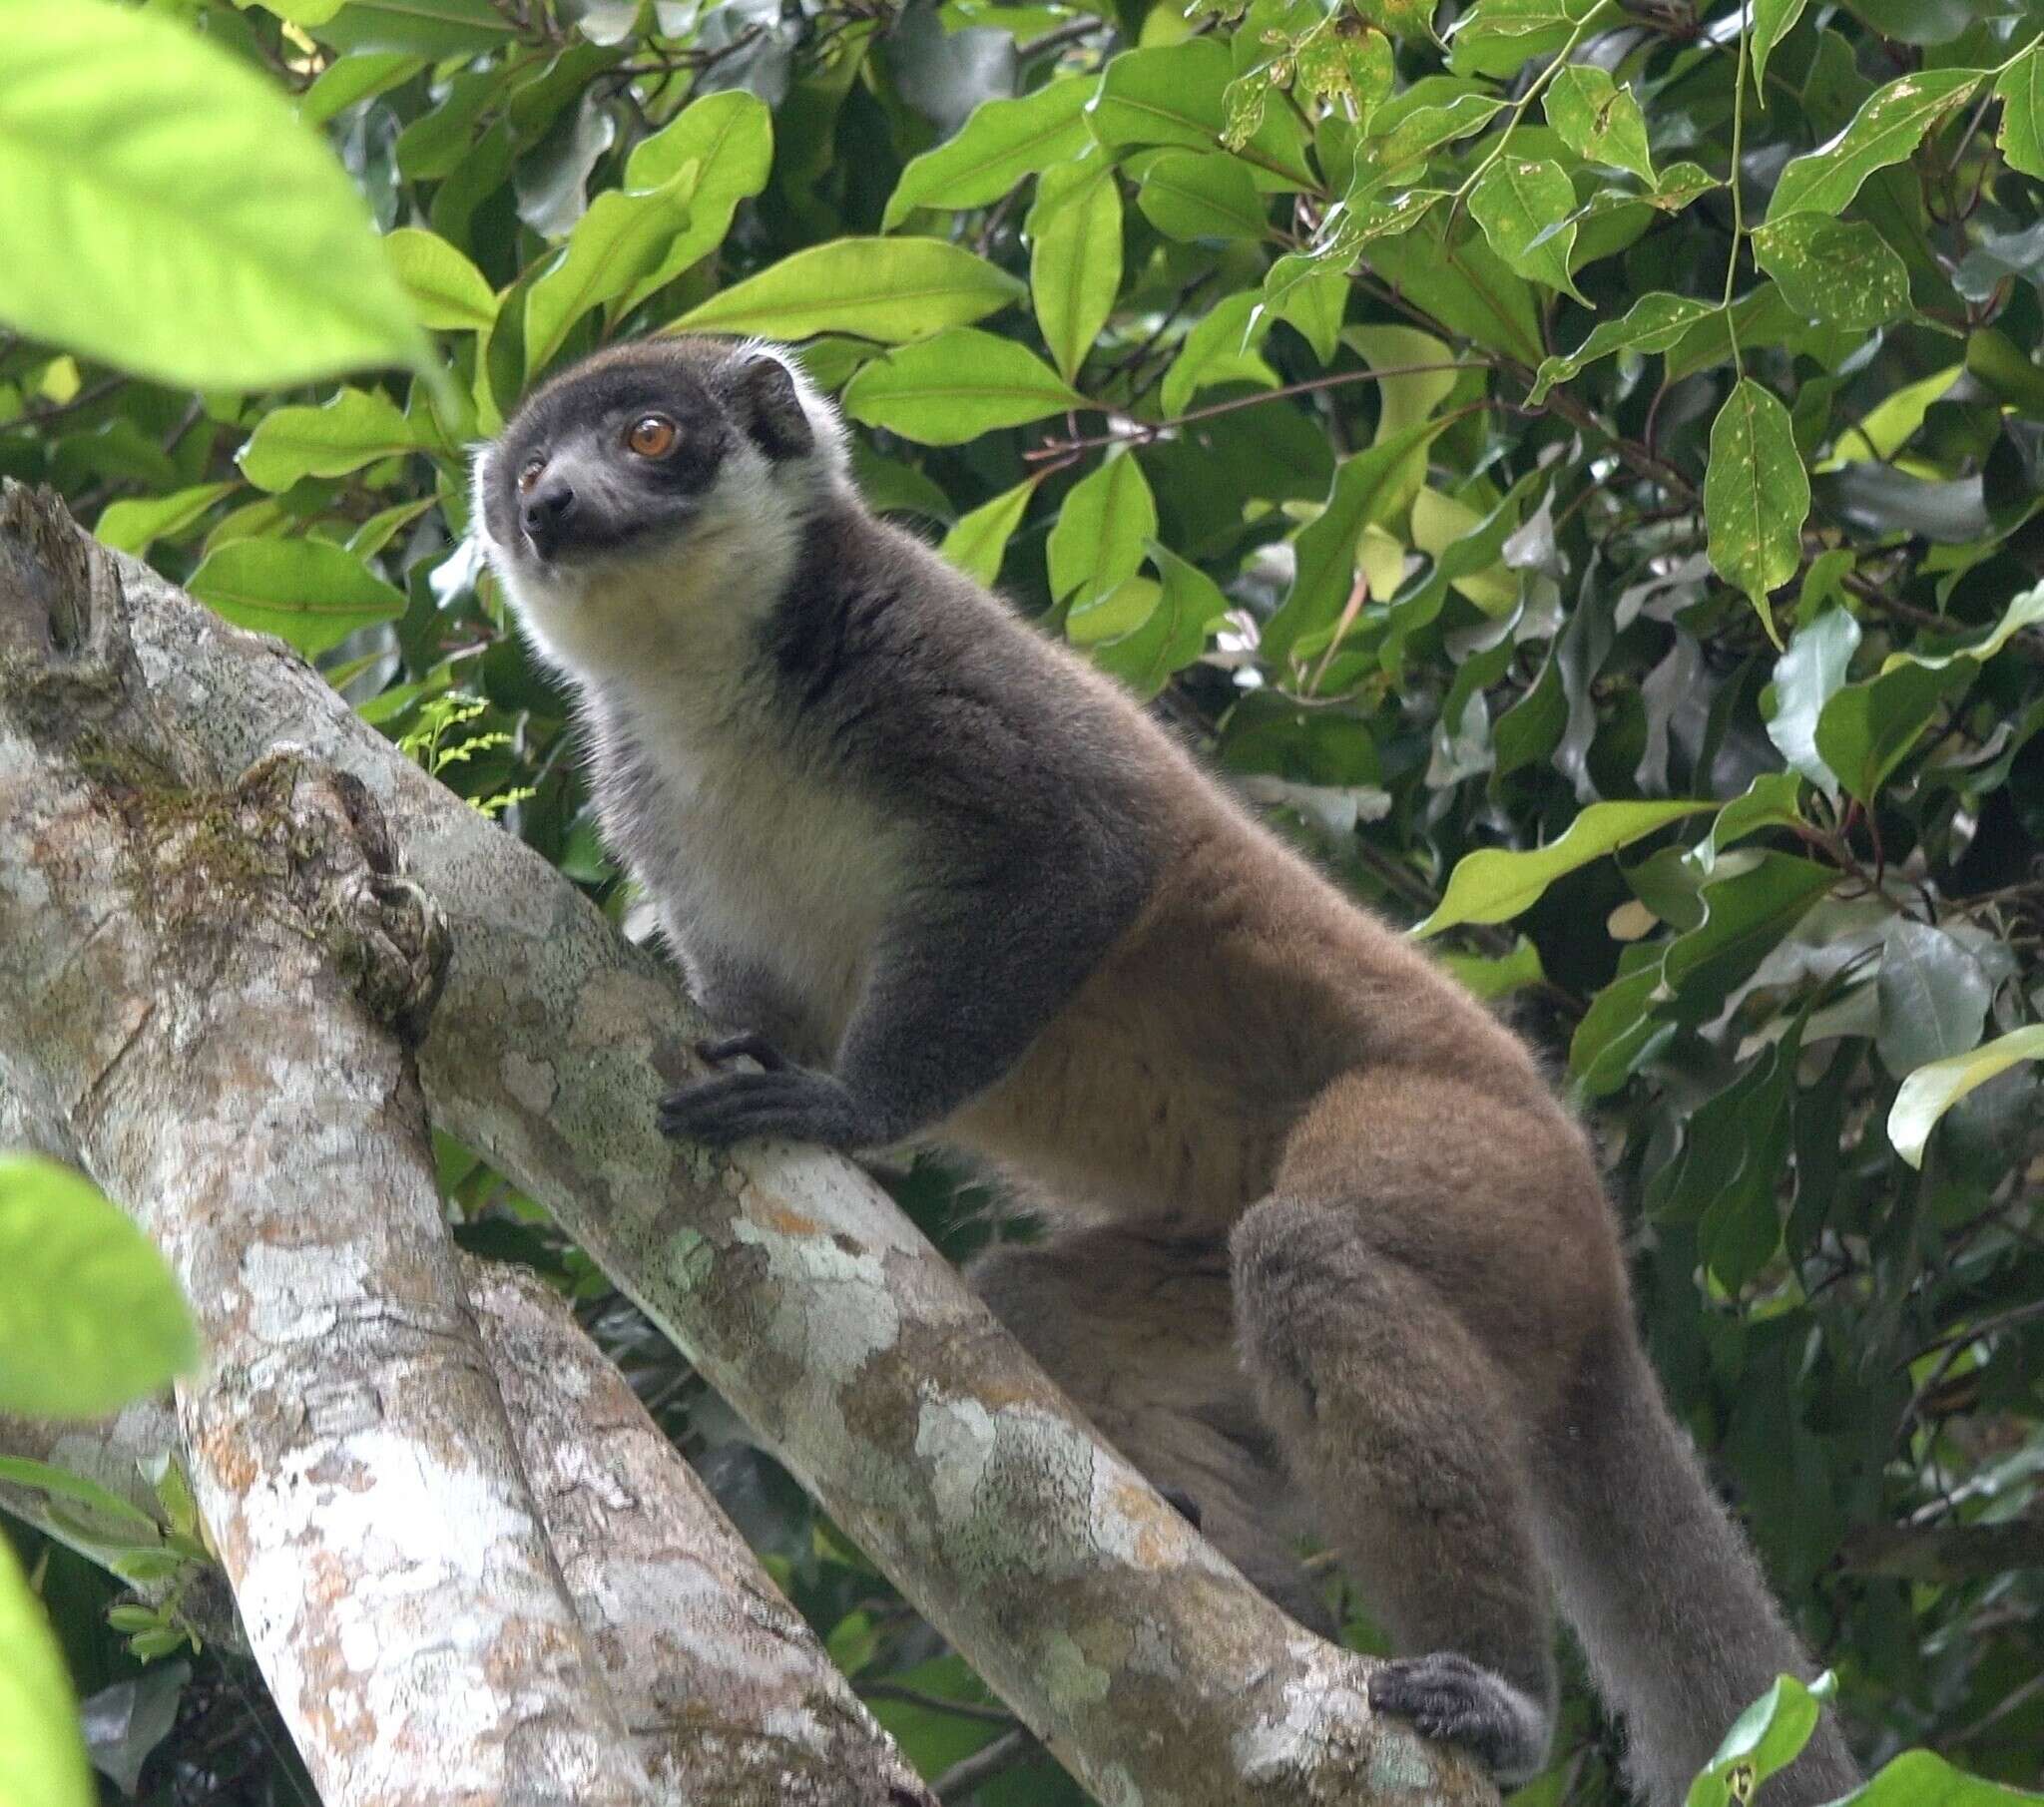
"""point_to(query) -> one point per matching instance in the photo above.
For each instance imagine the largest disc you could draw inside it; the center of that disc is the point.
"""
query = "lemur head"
(648, 483)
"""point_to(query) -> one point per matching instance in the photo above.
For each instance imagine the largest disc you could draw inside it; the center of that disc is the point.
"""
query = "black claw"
(1184, 1504)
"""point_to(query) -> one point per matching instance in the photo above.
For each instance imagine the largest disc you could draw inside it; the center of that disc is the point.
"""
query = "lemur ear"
(771, 408)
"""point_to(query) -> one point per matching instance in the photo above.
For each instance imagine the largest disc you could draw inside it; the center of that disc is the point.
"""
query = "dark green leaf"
(310, 593)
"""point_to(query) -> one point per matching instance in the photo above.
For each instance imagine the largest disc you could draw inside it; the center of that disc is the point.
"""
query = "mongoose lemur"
(1327, 1251)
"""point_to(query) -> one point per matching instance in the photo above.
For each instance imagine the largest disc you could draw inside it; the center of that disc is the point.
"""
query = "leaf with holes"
(1599, 120)
(2021, 93)
(1756, 496)
(1521, 203)
(1833, 272)
(1887, 128)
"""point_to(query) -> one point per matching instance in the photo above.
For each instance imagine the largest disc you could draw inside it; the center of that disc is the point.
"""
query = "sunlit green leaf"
(134, 231)
(890, 289)
(137, 523)
(1195, 195)
(91, 1317)
(310, 593)
(447, 290)
(2021, 92)
(622, 237)
(729, 137)
(1102, 527)
(978, 539)
(355, 428)
(1807, 677)
(1772, 20)
(1001, 142)
(1075, 258)
(956, 387)
(1926, 1095)
(42, 1757)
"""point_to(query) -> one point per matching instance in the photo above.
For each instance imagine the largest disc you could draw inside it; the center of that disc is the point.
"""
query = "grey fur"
(946, 880)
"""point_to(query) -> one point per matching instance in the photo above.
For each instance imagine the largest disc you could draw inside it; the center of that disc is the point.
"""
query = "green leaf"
(1417, 134)
(622, 237)
(1220, 349)
(1655, 322)
(91, 1317)
(2021, 93)
(1518, 202)
(310, 593)
(1339, 63)
(42, 1756)
(1744, 916)
(1886, 130)
(350, 80)
(138, 523)
(1929, 1092)
(447, 292)
(434, 28)
(2025, 610)
(1756, 496)
(978, 539)
(1366, 489)
(1496, 976)
(1201, 195)
(1075, 258)
(355, 428)
(127, 1520)
(1108, 613)
(1401, 18)
(1921, 1778)
(956, 387)
(1106, 520)
(891, 289)
(1836, 272)
(729, 137)
(1866, 730)
(1166, 95)
(1001, 142)
(1494, 885)
(1933, 997)
(1772, 20)
(1764, 1740)
(1174, 633)
(135, 233)
(1599, 120)
(1808, 677)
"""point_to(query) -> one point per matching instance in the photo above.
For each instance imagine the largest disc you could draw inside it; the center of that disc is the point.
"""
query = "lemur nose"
(546, 513)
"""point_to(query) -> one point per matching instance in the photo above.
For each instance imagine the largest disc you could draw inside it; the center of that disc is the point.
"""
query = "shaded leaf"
(1495, 884)
(1196, 194)
(1075, 258)
(1106, 520)
(1807, 677)
(1866, 730)
(1933, 997)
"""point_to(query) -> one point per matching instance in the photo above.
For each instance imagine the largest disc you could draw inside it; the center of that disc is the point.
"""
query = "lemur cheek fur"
(1325, 1252)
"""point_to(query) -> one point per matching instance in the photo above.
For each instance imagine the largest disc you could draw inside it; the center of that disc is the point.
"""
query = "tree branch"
(799, 1291)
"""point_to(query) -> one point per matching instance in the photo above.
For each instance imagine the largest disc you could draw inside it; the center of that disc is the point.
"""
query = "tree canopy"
(1577, 463)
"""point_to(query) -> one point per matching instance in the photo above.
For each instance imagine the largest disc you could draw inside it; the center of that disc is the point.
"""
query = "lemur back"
(947, 882)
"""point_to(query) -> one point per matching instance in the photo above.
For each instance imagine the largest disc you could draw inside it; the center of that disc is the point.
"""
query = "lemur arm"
(964, 978)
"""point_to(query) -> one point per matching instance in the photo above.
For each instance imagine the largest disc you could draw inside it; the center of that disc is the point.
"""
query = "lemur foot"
(786, 1101)
(1456, 1701)
(752, 1046)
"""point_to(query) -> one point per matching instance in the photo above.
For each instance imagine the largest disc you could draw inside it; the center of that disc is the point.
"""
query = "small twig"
(984, 1764)
(936, 1703)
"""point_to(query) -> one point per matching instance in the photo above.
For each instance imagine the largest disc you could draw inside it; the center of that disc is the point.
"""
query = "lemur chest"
(754, 862)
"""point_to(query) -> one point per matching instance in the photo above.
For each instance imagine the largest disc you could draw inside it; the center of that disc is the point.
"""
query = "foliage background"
(1608, 431)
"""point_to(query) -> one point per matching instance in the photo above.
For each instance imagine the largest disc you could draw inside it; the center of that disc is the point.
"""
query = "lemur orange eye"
(529, 475)
(652, 436)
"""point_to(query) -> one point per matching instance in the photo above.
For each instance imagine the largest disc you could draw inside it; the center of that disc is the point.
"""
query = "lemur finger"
(715, 1050)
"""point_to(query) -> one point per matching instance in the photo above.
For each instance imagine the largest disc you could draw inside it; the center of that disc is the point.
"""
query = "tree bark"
(1120, 1637)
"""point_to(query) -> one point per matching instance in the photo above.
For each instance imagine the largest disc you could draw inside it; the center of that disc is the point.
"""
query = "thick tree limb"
(1140, 1656)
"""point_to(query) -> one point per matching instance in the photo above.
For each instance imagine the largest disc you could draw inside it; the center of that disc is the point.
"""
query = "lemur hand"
(783, 1101)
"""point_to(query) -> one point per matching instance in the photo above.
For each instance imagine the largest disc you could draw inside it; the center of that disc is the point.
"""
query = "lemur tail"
(1664, 1592)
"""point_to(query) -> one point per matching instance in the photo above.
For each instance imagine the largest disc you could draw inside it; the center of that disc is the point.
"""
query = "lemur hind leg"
(1138, 1331)
(1401, 1374)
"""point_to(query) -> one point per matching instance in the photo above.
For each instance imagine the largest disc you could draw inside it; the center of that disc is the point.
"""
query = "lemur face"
(627, 448)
